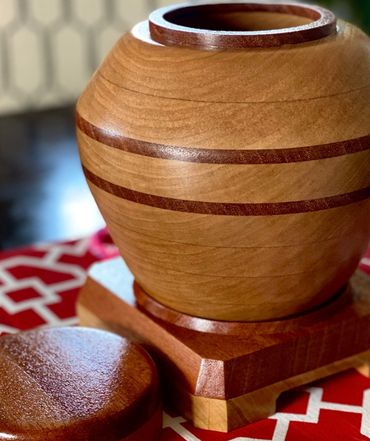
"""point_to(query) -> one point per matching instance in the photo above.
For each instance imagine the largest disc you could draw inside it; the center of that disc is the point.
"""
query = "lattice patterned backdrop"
(49, 48)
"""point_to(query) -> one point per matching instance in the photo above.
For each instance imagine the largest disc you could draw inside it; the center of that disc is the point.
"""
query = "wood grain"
(235, 182)
(239, 232)
(225, 280)
(139, 64)
(228, 208)
(222, 380)
(220, 125)
(225, 182)
(215, 156)
(79, 384)
(227, 415)
(162, 313)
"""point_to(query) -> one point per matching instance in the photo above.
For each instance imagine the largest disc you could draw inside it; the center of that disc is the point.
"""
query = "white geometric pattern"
(22, 278)
(283, 420)
(48, 292)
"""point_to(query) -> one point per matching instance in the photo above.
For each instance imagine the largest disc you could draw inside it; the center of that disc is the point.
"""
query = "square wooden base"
(221, 376)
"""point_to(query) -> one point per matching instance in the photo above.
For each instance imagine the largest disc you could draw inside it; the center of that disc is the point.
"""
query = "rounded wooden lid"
(240, 25)
(77, 384)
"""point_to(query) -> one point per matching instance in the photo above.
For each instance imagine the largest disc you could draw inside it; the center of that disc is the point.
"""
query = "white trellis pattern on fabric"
(39, 287)
(283, 419)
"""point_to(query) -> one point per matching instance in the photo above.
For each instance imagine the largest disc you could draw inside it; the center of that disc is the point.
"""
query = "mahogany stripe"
(228, 209)
(224, 156)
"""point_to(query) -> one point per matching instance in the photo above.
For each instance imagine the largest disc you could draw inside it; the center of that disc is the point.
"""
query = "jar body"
(235, 183)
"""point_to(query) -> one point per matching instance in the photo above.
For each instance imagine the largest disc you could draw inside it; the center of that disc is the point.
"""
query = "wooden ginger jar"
(228, 148)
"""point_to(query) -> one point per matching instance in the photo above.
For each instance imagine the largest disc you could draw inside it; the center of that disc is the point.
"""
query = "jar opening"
(239, 18)
(238, 25)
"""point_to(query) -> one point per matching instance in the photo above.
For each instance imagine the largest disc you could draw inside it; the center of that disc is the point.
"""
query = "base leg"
(364, 367)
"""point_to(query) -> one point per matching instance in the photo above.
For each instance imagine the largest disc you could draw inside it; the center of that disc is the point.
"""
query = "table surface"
(39, 286)
(43, 192)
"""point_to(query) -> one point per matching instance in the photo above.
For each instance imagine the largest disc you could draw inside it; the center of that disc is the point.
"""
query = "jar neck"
(240, 25)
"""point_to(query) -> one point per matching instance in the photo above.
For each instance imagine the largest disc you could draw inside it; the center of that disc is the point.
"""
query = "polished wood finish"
(90, 133)
(226, 415)
(157, 311)
(220, 378)
(235, 182)
(228, 208)
(250, 81)
(241, 269)
(272, 124)
(240, 25)
(77, 384)
(215, 183)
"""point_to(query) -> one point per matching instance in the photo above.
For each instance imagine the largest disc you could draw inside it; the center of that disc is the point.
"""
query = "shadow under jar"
(228, 148)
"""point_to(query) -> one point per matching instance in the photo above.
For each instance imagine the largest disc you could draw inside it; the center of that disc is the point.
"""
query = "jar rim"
(166, 28)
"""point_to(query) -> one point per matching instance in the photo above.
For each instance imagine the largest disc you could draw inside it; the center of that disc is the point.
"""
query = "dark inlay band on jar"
(240, 25)
(222, 156)
(227, 208)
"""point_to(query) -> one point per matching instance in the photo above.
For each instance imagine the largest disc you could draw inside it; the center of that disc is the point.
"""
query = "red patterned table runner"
(39, 286)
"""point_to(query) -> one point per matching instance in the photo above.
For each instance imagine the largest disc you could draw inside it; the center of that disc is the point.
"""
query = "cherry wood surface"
(91, 133)
(77, 384)
(227, 415)
(220, 378)
(241, 271)
(235, 182)
(156, 310)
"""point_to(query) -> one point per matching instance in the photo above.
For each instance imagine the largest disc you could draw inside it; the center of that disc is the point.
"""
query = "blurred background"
(48, 51)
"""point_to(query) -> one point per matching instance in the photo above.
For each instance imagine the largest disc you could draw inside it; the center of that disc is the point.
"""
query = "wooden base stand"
(222, 375)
